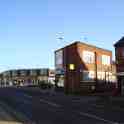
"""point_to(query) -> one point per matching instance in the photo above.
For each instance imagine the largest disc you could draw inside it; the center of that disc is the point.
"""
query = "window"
(23, 72)
(88, 57)
(105, 60)
(101, 75)
(88, 75)
(14, 73)
(99, 58)
(44, 72)
(33, 72)
(59, 57)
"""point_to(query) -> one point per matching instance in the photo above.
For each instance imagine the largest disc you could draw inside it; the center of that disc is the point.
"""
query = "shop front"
(60, 79)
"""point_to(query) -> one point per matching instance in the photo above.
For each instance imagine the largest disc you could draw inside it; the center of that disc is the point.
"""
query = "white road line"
(97, 118)
(50, 103)
(45, 101)
(81, 113)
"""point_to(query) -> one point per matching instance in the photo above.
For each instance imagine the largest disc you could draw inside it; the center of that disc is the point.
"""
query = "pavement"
(6, 117)
(38, 106)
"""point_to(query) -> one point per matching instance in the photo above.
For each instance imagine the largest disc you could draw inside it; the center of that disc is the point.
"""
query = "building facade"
(81, 67)
(119, 54)
(26, 77)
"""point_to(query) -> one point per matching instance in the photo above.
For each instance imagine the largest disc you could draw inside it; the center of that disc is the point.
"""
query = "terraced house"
(81, 67)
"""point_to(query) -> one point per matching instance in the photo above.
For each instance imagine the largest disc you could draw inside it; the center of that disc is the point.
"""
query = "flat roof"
(79, 42)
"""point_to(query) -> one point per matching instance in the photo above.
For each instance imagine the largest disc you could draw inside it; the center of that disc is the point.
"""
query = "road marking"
(81, 113)
(45, 101)
(50, 103)
(113, 108)
(97, 118)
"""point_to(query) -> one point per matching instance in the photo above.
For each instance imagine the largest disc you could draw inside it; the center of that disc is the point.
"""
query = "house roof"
(83, 43)
(120, 42)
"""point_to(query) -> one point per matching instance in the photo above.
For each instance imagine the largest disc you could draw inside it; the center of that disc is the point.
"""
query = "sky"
(29, 29)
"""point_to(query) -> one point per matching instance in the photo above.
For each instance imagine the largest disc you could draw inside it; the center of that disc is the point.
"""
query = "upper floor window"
(14, 73)
(105, 60)
(33, 72)
(59, 57)
(23, 72)
(88, 57)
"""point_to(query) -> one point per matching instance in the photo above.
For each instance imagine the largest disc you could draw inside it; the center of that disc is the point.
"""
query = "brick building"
(81, 67)
(119, 53)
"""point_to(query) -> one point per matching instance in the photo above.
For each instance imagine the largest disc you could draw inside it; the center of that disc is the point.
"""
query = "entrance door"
(122, 86)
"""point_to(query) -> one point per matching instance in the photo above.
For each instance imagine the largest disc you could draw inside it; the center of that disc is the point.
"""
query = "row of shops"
(27, 77)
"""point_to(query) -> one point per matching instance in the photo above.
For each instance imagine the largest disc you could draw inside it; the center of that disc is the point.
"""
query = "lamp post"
(59, 76)
(96, 66)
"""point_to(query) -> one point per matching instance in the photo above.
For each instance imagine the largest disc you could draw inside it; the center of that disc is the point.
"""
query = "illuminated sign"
(71, 67)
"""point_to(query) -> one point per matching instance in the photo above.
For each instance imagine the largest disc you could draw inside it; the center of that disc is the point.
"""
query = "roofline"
(76, 42)
(117, 43)
(94, 46)
(24, 69)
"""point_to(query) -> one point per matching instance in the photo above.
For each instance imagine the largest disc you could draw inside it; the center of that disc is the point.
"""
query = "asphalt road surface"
(46, 107)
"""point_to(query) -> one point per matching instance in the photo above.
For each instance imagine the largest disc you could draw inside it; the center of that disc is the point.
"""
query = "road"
(41, 107)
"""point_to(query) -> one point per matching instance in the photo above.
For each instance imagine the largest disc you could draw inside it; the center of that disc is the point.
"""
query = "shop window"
(88, 76)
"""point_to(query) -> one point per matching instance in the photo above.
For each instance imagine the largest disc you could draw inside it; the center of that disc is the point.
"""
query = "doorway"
(122, 85)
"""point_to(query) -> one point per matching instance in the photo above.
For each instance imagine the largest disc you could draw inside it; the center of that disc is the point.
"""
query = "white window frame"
(106, 60)
(88, 57)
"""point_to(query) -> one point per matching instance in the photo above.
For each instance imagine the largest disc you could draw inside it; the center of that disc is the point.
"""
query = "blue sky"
(28, 28)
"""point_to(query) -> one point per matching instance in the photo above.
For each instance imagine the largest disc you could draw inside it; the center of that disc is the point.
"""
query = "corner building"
(83, 68)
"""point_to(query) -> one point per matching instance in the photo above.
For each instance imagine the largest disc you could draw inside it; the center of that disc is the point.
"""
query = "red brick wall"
(119, 52)
(72, 55)
(72, 78)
